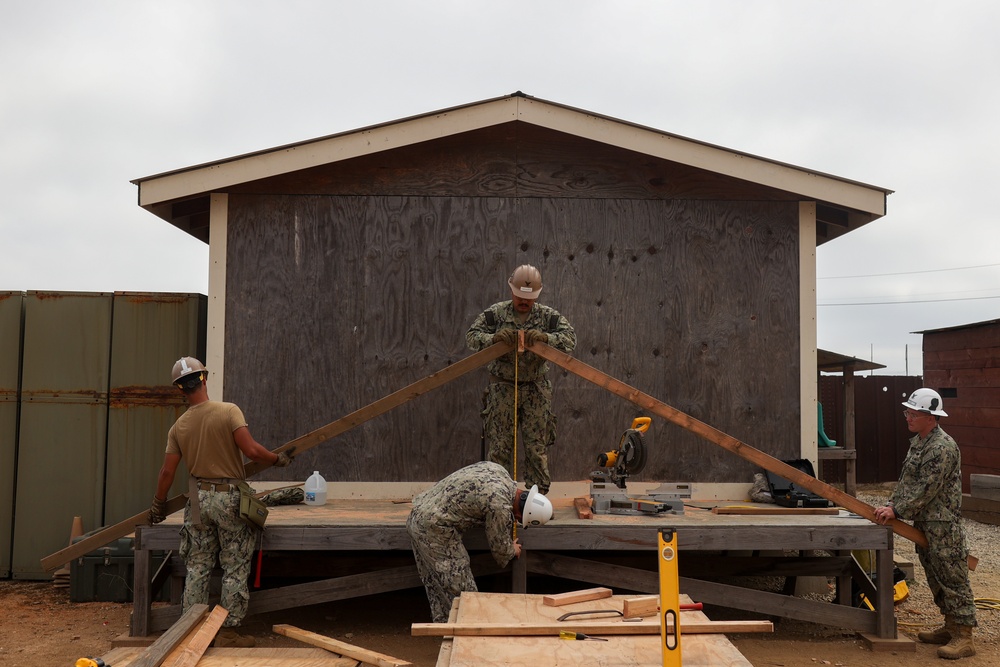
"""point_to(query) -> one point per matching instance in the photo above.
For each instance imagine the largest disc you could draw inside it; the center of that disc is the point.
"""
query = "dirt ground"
(42, 627)
(39, 626)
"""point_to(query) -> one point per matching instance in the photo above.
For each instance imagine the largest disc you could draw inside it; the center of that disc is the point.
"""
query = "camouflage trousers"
(945, 563)
(442, 562)
(536, 423)
(221, 536)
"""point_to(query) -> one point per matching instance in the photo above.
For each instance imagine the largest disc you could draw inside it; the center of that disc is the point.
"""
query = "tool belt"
(219, 487)
(253, 512)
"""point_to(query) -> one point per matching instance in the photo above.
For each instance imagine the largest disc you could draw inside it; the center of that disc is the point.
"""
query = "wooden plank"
(230, 657)
(587, 627)
(573, 597)
(194, 645)
(108, 535)
(765, 511)
(158, 651)
(648, 605)
(383, 405)
(727, 442)
(339, 647)
(299, 445)
(583, 510)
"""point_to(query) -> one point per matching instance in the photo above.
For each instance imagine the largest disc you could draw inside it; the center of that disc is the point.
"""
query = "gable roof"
(844, 203)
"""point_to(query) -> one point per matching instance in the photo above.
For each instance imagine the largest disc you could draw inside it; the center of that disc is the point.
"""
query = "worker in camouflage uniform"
(501, 323)
(212, 437)
(929, 493)
(482, 494)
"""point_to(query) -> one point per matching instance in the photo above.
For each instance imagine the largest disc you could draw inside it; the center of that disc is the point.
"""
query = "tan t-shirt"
(203, 436)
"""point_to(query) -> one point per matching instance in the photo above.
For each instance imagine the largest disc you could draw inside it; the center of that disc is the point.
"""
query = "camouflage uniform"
(929, 493)
(203, 437)
(221, 532)
(535, 418)
(477, 495)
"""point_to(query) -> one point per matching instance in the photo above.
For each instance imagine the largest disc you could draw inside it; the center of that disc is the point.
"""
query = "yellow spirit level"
(670, 627)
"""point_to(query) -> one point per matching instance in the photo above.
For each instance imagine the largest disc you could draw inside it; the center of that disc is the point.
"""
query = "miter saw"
(607, 487)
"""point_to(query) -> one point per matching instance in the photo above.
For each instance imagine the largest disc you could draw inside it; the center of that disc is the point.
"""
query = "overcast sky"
(901, 94)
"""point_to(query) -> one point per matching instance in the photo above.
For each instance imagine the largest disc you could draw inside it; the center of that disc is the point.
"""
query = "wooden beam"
(592, 628)
(727, 442)
(194, 645)
(576, 596)
(383, 405)
(158, 651)
(768, 511)
(106, 536)
(300, 444)
(340, 648)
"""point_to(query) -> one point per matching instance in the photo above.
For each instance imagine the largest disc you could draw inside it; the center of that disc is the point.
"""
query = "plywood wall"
(334, 301)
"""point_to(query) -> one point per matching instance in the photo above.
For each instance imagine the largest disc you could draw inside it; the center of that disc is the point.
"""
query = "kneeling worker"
(482, 494)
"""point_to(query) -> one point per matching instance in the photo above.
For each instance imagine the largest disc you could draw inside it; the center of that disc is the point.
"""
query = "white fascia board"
(716, 159)
(219, 176)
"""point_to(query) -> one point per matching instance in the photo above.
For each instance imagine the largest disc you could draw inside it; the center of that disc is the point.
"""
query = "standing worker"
(929, 492)
(481, 494)
(212, 437)
(501, 323)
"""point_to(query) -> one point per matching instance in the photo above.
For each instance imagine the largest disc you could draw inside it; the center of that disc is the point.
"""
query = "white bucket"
(315, 489)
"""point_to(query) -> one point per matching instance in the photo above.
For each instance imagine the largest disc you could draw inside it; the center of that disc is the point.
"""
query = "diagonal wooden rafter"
(297, 446)
(727, 442)
(470, 363)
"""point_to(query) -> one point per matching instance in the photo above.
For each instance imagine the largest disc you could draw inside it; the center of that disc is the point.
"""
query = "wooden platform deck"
(577, 549)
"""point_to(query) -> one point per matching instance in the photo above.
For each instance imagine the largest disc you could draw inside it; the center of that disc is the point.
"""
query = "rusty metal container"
(11, 305)
(62, 423)
(150, 332)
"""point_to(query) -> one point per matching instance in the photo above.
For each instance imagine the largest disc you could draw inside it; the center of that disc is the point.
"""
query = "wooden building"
(962, 363)
(344, 268)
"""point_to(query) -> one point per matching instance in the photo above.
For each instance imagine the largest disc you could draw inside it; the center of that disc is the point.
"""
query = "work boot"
(228, 637)
(960, 645)
(940, 635)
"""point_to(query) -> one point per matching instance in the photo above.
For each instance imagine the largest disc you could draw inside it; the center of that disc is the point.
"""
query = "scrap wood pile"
(187, 644)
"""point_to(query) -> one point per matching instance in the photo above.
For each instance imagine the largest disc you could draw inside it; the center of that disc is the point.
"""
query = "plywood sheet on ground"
(624, 651)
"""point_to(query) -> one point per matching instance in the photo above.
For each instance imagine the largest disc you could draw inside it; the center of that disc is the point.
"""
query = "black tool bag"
(787, 494)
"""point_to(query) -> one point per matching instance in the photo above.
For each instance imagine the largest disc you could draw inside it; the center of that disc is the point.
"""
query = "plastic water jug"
(315, 489)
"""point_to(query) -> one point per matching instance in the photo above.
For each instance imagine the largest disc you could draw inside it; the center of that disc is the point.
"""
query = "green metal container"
(149, 333)
(11, 305)
(62, 423)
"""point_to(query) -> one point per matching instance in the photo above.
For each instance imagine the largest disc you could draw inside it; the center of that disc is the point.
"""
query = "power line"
(909, 273)
(905, 303)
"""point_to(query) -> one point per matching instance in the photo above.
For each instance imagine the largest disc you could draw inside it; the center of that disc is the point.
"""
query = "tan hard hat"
(526, 282)
(186, 366)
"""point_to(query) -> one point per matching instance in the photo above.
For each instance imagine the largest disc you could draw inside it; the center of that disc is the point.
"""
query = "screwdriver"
(566, 634)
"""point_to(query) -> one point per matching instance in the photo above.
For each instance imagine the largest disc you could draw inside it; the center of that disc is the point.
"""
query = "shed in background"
(346, 267)
(962, 363)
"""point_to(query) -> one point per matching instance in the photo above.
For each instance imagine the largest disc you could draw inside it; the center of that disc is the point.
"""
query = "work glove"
(508, 336)
(283, 460)
(157, 511)
(536, 336)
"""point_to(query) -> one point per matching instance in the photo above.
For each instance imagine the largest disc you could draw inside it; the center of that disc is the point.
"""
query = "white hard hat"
(926, 400)
(185, 366)
(537, 509)
(526, 282)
